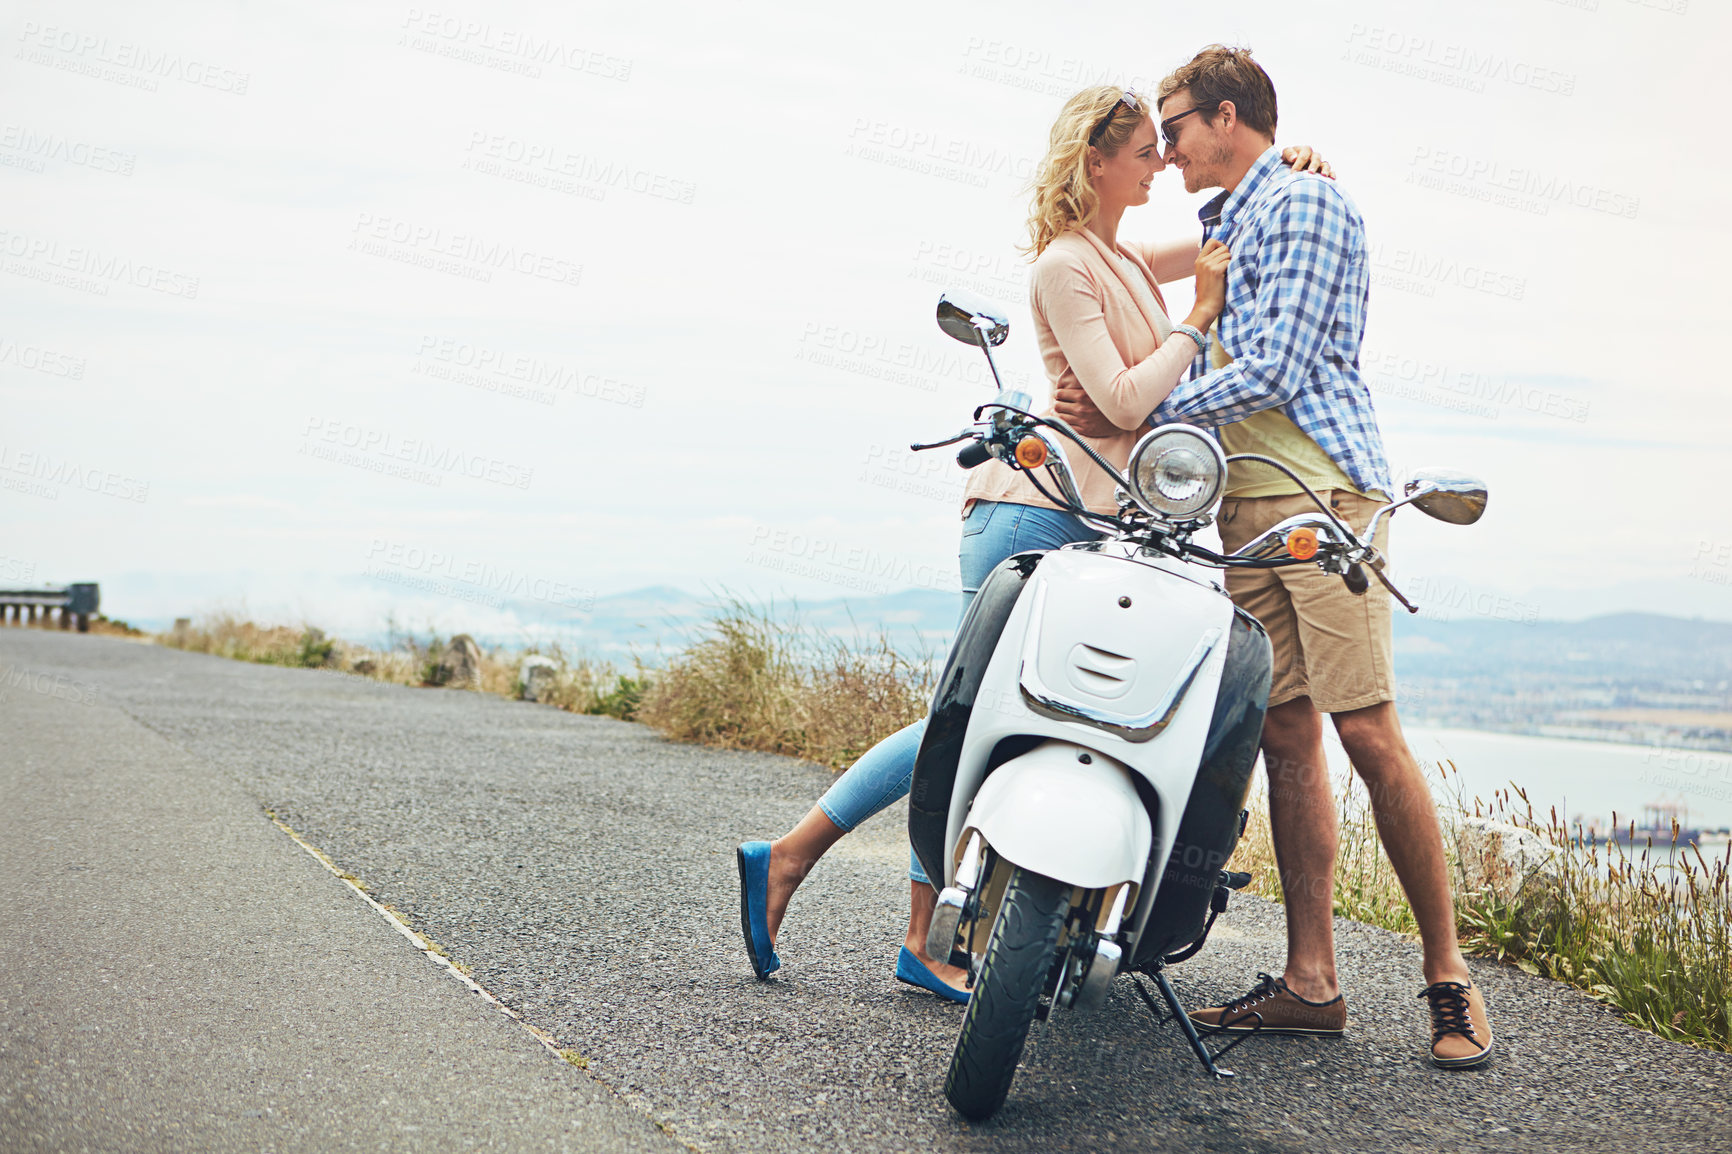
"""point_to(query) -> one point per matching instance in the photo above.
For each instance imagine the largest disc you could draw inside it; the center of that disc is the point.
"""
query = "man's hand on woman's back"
(1072, 405)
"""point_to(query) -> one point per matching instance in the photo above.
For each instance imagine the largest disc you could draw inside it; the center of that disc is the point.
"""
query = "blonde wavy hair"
(1062, 194)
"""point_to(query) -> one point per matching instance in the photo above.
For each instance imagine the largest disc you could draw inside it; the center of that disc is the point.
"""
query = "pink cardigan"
(1094, 331)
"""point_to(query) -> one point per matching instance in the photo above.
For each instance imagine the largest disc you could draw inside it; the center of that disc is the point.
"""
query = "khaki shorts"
(1330, 644)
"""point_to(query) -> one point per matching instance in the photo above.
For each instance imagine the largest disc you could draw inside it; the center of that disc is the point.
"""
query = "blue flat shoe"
(754, 859)
(912, 970)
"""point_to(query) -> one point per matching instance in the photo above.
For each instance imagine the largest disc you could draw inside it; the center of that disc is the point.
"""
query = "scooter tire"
(1013, 974)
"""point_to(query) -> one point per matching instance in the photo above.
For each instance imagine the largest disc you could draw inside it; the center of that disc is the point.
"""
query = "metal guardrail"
(75, 602)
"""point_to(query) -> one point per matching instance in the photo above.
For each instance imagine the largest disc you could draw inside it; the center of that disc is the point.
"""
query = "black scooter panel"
(1209, 829)
(952, 705)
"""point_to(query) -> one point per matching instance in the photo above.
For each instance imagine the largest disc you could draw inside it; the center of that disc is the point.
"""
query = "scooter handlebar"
(974, 454)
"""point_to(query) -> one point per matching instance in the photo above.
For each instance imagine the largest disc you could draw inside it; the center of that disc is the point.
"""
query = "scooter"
(1083, 777)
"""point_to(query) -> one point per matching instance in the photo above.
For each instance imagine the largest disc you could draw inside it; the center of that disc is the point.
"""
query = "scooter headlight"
(1177, 471)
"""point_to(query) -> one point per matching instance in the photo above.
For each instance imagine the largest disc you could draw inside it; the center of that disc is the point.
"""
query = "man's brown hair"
(1220, 73)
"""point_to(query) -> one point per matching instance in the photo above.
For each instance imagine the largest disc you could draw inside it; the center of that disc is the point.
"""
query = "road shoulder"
(176, 973)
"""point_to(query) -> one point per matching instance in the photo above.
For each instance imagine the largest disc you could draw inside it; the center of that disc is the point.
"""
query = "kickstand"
(1178, 1014)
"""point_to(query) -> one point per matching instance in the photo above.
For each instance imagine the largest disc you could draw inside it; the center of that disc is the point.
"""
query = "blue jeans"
(992, 531)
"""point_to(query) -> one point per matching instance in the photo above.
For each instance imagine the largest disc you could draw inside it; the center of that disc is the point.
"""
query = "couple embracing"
(1268, 359)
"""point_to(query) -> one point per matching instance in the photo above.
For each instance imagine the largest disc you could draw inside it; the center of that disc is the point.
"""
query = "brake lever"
(964, 435)
(1393, 591)
(1374, 562)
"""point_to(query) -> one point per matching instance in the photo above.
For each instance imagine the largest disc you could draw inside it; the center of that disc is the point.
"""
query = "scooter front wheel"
(1007, 992)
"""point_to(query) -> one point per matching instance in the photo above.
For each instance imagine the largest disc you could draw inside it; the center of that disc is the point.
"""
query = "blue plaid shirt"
(1294, 318)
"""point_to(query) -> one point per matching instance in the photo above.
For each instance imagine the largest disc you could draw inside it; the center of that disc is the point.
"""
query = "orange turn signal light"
(1031, 452)
(1302, 543)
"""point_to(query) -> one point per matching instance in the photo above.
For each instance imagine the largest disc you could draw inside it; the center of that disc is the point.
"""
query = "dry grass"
(1646, 929)
(225, 635)
(583, 685)
(756, 682)
(407, 660)
(750, 681)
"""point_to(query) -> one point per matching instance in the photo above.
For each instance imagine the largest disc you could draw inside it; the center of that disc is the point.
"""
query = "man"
(1281, 379)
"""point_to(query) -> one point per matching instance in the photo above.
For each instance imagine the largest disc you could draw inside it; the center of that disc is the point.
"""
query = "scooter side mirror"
(965, 317)
(1453, 497)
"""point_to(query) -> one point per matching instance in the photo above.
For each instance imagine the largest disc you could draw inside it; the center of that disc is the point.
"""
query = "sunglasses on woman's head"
(1129, 100)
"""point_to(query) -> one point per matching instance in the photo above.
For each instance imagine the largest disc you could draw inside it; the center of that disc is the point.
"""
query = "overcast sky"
(339, 310)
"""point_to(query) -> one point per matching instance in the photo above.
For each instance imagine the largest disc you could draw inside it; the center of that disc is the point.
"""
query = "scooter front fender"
(1074, 820)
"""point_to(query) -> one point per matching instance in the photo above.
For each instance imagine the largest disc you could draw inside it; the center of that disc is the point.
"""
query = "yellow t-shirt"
(1270, 434)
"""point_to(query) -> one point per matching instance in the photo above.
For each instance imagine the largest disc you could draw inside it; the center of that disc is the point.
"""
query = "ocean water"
(1592, 779)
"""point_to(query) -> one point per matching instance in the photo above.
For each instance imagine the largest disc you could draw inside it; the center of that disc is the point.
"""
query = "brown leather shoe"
(1460, 1030)
(1271, 1008)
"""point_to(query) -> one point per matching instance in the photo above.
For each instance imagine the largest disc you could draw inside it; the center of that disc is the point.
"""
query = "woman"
(1101, 325)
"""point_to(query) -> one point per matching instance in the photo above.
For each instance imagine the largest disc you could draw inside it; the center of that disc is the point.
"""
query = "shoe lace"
(1449, 1011)
(1267, 987)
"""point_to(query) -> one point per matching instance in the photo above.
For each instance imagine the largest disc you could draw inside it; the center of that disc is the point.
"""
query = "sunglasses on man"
(1170, 135)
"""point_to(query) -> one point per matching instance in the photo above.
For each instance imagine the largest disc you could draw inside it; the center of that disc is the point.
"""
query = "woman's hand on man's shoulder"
(1304, 158)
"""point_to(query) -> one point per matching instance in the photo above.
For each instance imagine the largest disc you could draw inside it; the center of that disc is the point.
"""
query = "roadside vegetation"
(1642, 928)
(1645, 930)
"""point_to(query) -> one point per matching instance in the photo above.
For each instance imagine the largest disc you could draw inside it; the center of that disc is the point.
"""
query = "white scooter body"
(1111, 632)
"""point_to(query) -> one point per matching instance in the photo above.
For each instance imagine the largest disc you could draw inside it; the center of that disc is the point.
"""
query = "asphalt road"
(582, 869)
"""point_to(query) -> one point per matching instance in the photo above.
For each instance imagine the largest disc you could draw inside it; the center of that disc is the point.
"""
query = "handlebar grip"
(1355, 577)
(973, 454)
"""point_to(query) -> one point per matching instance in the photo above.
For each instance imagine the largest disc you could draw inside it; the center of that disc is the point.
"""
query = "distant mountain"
(1635, 677)
(1622, 646)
